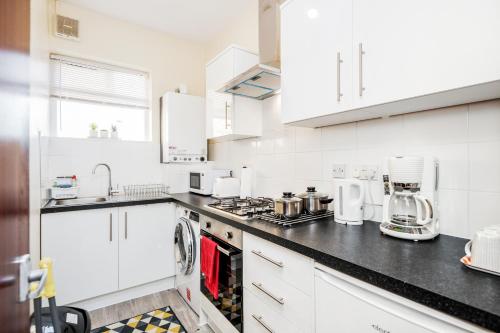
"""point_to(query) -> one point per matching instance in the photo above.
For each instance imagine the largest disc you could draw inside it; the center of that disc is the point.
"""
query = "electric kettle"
(348, 198)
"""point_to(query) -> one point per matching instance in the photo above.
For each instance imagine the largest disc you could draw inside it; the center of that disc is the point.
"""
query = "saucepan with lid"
(288, 206)
(314, 202)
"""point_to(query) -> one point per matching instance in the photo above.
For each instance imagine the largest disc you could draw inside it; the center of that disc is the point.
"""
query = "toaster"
(226, 187)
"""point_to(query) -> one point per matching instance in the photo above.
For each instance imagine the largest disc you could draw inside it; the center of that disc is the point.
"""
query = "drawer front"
(271, 259)
(259, 318)
(280, 296)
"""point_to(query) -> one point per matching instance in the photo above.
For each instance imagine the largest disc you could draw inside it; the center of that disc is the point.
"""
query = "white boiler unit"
(183, 138)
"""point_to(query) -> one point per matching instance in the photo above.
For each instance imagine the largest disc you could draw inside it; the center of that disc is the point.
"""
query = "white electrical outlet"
(365, 172)
(338, 170)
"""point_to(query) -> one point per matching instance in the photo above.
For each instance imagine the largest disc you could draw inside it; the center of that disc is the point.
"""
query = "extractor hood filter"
(258, 82)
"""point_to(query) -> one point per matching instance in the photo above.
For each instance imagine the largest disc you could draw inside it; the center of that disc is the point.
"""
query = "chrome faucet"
(110, 184)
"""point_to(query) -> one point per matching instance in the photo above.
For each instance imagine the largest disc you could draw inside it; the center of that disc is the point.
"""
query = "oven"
(230, 294)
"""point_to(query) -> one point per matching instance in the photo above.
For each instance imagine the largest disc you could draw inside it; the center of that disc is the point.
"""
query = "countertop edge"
(111, 204)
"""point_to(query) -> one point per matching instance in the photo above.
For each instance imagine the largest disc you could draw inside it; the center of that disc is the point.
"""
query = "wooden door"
(84, 247)
(146, 244)
(14, 134)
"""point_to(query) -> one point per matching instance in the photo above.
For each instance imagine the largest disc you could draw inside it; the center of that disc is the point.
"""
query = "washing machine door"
(185, 251)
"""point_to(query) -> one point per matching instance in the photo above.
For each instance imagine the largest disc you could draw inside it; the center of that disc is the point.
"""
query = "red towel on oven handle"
(210, 265)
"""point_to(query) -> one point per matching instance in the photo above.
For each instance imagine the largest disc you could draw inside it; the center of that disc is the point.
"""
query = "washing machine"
(187, 256)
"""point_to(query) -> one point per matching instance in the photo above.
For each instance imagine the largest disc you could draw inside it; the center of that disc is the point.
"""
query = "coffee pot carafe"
(409, 209)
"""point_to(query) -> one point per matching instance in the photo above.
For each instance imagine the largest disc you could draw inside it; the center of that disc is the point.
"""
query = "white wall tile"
(453, 164)
(308, 166)
(339, 137)
(442, 126)
(380, 132)
(485, 166)
(284, 141)
(484, 121)
(453, 212)
(331, 157)
(483, 210)
(307, 139)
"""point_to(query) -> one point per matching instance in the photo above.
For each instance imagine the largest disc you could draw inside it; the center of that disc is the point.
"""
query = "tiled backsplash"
(130, 162)
(465, 139)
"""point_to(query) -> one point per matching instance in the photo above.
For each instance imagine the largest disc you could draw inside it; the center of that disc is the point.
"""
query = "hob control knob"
(229, 234)
(208, 225)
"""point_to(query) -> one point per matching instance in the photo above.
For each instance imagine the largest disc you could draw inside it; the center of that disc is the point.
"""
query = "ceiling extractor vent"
(67, 27)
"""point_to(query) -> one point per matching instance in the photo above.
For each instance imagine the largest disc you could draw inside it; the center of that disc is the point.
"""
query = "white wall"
(170, 60)
(465, 139)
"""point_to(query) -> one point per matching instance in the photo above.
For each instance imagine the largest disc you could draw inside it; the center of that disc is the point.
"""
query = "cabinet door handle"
(259, 286)
(126, 225)
(360, 59)
(275, 262)
(110, 227)
(339, 61)
(226, 114)
(263, 323)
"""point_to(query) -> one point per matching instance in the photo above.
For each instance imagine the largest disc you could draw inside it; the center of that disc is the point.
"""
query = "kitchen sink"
(79, 201)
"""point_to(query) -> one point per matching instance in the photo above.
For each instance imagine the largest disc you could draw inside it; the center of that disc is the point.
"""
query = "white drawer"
(271, 259)
(259, 318)
(280, 296)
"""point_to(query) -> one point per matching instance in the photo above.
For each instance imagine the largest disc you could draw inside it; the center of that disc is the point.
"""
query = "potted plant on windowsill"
(114, 132)
(93, 130)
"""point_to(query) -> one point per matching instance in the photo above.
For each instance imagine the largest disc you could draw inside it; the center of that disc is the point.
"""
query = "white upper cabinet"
(230, 117)
(403, 57)
(317, 58)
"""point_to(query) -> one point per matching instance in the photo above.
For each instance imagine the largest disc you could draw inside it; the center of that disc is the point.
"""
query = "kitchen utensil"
(484, 248)
(226, 187)
(246, 183)
(314, 202)
(288, 206)
(349, 195)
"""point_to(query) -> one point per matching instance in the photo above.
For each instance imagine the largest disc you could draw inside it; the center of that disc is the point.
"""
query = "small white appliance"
(182, 129)
(226, 187)
(187, 256)
(410, 207)
(349, 195)
(202, 181)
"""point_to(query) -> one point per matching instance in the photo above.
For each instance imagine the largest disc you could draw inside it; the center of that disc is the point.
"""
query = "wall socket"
(365, 172)
(338, 170)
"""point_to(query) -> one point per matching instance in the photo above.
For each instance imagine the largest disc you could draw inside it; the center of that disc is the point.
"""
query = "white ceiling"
(198, 20)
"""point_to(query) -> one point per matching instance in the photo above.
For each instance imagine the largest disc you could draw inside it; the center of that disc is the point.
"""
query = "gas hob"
(259, 208)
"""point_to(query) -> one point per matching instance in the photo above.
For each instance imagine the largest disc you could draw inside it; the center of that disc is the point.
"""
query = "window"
(85, 92)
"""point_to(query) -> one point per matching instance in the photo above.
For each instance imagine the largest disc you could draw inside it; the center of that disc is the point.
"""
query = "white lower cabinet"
(346, 305)
(146, 244)
(100, 251)
(278, 288)
(84, 247)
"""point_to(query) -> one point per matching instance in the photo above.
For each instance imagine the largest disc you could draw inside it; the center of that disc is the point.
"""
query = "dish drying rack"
(146, 190)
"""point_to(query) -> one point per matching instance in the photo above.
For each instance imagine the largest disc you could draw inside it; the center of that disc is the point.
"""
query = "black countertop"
(427, 272)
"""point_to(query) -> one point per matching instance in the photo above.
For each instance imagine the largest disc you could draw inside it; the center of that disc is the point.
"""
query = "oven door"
(230, 299)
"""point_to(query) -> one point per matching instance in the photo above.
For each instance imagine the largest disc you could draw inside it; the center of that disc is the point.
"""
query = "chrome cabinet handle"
(263, 323)
(259, 286)
(226, 114)
(275, 262)
(126, 225)
(339, 61)
(360, 55)
(110, 227)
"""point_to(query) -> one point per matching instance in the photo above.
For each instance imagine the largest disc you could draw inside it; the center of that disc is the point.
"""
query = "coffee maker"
(410, 208)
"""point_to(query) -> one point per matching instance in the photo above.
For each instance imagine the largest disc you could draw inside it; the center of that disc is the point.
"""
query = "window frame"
(55, 116)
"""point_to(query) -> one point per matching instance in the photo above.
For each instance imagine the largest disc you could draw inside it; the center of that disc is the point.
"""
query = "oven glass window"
(194, 181)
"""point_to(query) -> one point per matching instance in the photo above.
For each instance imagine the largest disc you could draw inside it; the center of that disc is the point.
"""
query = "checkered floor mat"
(156, 321)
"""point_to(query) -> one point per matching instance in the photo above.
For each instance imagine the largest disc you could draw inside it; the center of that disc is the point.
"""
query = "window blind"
(79, 79)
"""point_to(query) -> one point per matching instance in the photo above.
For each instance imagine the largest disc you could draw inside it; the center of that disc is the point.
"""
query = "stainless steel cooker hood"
(262, 80)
